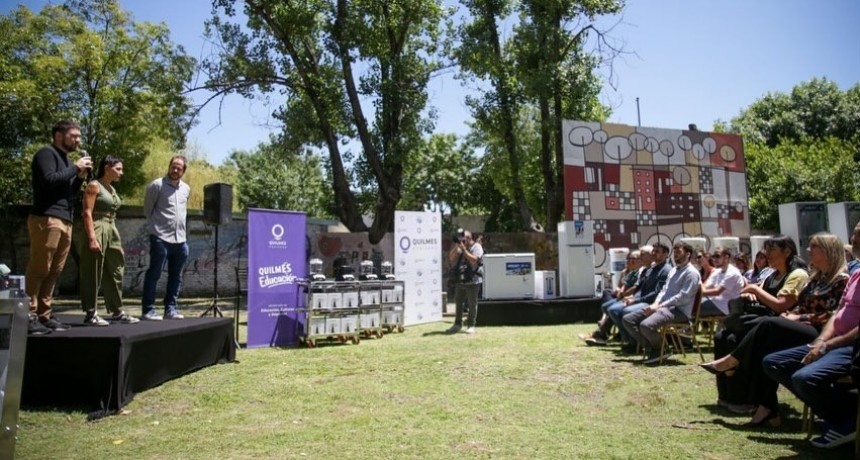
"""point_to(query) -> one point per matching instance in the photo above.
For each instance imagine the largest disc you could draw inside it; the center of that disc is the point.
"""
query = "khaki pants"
(50, 241)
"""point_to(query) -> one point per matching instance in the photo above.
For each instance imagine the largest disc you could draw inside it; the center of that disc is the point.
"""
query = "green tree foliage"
(559, 77)
(482, 54)
(334, 61)
(543, 73)
(199, 173)
(439, 175)
(87, 60)
(813, 110)
(800, 146)
(808, 170)
(270, 177)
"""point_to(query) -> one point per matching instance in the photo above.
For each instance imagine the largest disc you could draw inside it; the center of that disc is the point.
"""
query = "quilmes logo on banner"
(276, 275)
(277, 241)
(407, 243)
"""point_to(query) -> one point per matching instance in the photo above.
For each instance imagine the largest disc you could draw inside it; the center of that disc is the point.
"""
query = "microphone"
(85, 154)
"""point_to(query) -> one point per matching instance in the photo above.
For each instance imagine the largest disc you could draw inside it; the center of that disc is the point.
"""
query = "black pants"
(734, 389)
(770, 334)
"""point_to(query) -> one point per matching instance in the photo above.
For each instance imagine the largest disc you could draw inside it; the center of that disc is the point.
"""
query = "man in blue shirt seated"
(650, 283)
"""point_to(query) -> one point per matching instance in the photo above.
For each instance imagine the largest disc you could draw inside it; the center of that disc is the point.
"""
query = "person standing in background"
(102, 262)
(55, 180)
(466, 258)
(165, 206)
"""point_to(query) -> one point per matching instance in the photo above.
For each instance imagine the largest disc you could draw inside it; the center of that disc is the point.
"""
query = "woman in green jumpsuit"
(102, 262)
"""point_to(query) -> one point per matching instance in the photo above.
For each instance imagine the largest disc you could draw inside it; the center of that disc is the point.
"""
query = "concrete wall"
(199, 274)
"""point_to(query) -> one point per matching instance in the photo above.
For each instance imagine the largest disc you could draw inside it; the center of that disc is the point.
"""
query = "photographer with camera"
(467, 269)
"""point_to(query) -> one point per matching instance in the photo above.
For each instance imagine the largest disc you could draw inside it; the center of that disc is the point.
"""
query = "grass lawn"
(505, 392)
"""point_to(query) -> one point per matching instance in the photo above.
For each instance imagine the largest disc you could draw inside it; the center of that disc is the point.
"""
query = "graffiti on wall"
(639, 185)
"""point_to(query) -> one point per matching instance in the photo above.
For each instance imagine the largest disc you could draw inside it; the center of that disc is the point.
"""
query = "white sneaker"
(151, 316)
(93, 319)
(470, 330)
(832, 438)
(123, 318)
(173, 315)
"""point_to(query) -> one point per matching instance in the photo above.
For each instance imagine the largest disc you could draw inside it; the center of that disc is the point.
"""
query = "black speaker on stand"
(217, 210)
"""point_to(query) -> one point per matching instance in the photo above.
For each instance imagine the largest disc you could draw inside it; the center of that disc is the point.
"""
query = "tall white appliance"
(802, 220)
(576, 258)
(842, 218)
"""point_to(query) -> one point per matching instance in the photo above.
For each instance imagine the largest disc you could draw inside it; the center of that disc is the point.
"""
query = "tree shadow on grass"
(432, 333)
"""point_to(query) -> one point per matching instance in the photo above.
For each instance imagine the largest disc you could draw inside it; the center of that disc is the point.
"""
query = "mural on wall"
(639, 185)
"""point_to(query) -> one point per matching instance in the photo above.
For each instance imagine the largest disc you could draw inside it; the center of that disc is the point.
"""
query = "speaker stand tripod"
(214, 308)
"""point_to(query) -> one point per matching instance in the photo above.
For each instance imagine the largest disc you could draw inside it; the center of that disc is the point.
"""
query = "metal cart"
(393, 293)
(370, 303)
(331, 312)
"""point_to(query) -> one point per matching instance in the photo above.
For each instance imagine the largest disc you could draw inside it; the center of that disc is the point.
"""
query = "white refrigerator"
(576, 258)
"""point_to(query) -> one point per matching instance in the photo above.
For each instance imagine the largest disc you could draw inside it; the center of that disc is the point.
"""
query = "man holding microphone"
(55, 180)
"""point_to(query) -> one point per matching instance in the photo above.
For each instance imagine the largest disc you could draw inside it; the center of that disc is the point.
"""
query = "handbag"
(742, 312)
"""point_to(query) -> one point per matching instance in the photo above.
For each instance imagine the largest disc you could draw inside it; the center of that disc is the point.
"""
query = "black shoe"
(629, 348)
(54, 325)
(35, 327)
(592, 341)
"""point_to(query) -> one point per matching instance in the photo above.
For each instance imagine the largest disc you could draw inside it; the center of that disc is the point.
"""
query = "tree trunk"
(507, 108)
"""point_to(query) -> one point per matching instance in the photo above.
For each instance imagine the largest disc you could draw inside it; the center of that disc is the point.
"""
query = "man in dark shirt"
(55, 180)
(650, 283)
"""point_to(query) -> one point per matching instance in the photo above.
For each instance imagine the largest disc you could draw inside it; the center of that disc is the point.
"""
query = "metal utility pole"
(638, 115)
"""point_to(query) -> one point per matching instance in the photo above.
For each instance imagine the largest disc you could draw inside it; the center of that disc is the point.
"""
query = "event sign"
(276, 262)
(417, 262)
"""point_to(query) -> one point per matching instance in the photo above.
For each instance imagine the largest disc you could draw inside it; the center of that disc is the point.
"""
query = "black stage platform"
(101, 368)
(534, 312)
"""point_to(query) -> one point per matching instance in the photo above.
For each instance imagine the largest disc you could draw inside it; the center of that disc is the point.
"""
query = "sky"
(687, 61)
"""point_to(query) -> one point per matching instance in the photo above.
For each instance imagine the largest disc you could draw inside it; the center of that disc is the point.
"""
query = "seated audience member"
(851, 258)
(776, 294)
(816, 302)
(626, 282)
(810, 371)
(724, 284)
(760, 269)
(742, 262)
(673, 303)
(651, 281)
(703, 260)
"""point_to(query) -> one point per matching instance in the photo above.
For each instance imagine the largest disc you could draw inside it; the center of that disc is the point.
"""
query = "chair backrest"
(697, 302)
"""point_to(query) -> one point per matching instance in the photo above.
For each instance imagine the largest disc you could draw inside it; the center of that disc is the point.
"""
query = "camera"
(460, 237)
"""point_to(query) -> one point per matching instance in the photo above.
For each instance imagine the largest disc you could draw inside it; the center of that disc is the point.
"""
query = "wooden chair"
(807, 418)
(678, 330)
(705, 327)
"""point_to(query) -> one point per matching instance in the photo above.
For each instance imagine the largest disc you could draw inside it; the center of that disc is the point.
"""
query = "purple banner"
(276, 262)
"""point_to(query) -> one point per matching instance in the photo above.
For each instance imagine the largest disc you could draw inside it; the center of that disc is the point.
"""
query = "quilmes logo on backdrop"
(277, 241)
(276, 275)
(407, 243)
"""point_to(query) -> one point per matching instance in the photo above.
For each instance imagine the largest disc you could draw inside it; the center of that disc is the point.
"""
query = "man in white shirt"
(166, 208)
(724, 284)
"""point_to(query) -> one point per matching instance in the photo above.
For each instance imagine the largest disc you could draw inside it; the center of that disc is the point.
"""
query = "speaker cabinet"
(217, 203)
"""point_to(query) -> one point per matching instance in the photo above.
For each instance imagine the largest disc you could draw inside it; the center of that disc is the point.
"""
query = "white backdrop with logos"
(417, 262)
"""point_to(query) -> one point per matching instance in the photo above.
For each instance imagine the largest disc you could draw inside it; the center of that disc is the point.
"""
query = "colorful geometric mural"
(640, 184)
